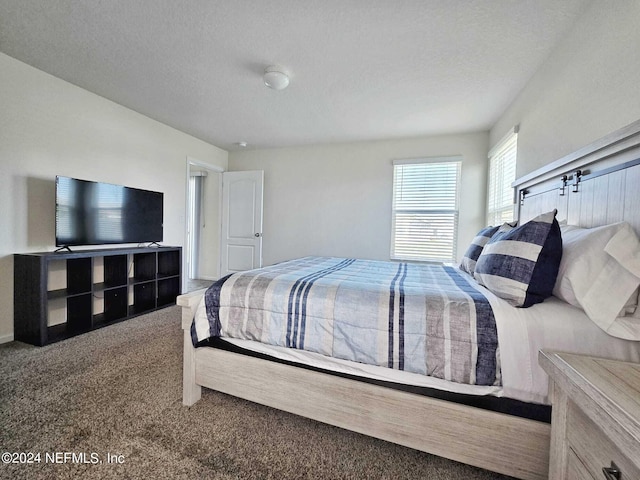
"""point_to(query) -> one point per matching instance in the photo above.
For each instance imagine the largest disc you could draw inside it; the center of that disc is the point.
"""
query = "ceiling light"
(275, 77)
(242, 144)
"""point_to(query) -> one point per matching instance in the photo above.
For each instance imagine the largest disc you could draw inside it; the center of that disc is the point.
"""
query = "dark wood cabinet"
(59, 295)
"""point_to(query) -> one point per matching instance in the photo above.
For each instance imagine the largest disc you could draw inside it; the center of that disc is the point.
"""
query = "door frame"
(193, 162)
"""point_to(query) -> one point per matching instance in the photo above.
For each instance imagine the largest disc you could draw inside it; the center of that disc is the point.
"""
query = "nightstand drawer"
(576, 469)
(593, 448)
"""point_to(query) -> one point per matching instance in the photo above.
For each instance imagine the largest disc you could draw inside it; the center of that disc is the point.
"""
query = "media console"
(63, 294)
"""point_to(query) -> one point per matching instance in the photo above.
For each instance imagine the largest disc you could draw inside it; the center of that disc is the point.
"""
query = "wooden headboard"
(597, 185)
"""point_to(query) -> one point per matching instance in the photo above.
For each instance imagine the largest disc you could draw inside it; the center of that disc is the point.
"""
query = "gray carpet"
(118, 391)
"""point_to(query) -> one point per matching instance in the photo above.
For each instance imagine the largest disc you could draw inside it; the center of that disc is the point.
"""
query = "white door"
(241, 246)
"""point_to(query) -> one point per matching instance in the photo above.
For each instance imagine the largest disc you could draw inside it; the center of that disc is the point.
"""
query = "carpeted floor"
(117, 391)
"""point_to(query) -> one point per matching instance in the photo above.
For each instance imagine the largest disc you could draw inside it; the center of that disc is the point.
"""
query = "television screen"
(94, 213)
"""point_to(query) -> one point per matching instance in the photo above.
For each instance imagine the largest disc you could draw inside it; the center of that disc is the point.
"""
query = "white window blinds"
(502, 173)
(425, 209)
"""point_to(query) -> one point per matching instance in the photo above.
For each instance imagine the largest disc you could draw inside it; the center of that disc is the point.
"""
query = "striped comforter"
(426, 319)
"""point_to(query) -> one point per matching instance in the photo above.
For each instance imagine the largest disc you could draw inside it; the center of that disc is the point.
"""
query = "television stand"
(61, 294)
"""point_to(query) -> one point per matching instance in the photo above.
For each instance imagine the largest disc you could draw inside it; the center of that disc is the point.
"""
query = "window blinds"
(502, 173)
(425, 209)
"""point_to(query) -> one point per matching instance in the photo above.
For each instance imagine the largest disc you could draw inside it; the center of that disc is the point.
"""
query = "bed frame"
(597, 185)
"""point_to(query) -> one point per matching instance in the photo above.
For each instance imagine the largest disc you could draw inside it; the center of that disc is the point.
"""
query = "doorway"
(202, 245)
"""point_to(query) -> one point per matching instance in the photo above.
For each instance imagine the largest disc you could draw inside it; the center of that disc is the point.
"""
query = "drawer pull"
(612, 472)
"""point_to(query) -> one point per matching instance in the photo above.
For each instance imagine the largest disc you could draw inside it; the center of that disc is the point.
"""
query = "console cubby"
(79, 275)
(116, 305)
(79, 316)
(144, 297)
(168, 290)
(144, 267)
(168, 264)
(96, 288)
(115, 271)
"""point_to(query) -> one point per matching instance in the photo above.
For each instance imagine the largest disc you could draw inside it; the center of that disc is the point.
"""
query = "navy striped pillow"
(470, 257)
(521, 265)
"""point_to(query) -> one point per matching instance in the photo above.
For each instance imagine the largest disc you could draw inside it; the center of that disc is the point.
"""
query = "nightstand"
(595, 420)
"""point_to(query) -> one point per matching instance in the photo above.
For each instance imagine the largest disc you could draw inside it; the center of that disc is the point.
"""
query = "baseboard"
(6, 338)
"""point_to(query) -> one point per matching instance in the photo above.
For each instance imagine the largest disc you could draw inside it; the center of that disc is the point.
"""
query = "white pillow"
(600, 273)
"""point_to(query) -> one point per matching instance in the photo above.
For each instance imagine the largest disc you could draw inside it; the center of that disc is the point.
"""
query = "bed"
(592, 187)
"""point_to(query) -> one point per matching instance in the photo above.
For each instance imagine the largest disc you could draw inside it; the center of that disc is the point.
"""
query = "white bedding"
(522, 332)
(550, 325)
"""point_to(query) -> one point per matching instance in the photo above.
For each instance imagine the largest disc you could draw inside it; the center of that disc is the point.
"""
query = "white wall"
(588, 87)
(336, 199)
(49, 127)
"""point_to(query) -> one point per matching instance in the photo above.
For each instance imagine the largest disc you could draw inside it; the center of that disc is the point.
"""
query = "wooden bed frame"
(595, 186)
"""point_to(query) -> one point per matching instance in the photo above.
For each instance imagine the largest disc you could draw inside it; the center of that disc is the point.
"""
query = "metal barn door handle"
(612, 472)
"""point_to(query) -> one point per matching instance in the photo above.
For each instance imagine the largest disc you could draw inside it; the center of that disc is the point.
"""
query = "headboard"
(597, 185)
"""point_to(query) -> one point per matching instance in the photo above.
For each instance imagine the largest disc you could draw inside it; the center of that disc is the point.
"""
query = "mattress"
(522, 332)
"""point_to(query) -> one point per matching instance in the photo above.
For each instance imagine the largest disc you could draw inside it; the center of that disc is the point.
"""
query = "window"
(425, 209)
(502, 173)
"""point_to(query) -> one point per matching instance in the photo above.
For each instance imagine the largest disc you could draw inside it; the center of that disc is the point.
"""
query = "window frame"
(502, 210)
(397, 255)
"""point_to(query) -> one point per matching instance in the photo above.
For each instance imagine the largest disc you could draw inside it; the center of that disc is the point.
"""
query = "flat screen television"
(96, 213)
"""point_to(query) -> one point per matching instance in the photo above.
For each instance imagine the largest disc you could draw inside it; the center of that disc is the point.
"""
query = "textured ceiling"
(360, 69)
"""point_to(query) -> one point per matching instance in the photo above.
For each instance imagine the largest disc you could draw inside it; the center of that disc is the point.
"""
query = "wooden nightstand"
(595, 421)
